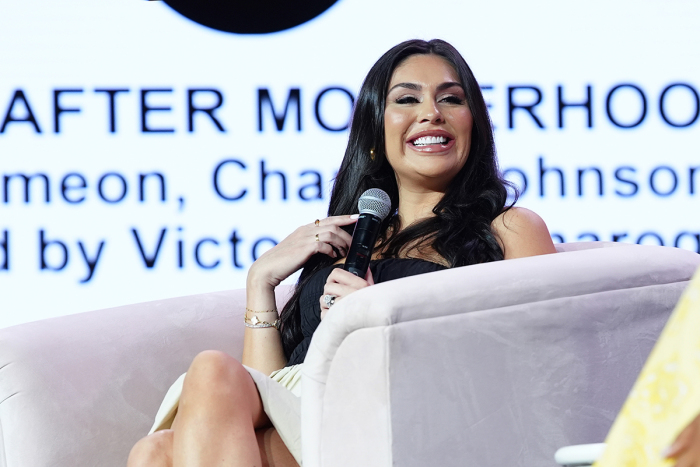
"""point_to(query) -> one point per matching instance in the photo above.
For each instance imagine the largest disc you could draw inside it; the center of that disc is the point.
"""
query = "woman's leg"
(219, 410)
(273, 451)
(155, 450)
(207, 396)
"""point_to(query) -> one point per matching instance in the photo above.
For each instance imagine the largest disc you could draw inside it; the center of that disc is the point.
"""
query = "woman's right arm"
(262, 346)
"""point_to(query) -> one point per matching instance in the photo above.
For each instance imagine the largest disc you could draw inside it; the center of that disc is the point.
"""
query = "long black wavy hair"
(460, 231)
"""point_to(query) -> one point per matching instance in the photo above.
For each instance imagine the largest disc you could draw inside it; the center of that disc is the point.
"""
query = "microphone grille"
(375, 201)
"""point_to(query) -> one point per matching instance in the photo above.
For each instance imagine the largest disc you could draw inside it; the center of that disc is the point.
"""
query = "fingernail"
(665, 452)
(355, 216)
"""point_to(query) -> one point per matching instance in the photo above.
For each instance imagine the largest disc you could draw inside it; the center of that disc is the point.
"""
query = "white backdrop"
(86, 86)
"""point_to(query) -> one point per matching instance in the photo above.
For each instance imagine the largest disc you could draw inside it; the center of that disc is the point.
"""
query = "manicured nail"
(355, 216)
(666, 451)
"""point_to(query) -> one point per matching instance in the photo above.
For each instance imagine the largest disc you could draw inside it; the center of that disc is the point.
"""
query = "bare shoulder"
(521, 233)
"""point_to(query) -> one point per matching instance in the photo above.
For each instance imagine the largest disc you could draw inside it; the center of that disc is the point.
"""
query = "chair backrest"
(578, 246)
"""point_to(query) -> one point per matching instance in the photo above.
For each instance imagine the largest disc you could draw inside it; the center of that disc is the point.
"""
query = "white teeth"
(426, 140)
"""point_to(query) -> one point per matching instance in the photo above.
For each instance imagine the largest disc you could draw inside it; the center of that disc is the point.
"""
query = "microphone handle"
(363, 240)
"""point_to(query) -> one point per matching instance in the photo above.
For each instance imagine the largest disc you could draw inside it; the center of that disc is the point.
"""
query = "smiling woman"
(420, 131)
(427, 124)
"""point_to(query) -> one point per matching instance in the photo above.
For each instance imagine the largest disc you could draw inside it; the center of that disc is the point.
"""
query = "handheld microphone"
(374, 205)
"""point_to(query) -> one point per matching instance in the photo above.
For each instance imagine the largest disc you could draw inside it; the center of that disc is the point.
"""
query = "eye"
(452, 100)
(407, 100)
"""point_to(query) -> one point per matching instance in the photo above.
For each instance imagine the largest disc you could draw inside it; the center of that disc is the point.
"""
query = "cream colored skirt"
(281, 398)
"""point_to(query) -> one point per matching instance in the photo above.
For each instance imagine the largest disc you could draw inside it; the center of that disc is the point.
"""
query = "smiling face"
(427, 123)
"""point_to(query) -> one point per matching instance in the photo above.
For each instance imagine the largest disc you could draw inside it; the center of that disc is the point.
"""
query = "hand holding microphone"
(374, 206)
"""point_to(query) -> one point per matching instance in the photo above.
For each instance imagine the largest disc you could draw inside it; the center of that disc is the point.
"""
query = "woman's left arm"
(521, 233)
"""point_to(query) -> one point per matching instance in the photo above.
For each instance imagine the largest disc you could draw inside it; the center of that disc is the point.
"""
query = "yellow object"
(666, 395)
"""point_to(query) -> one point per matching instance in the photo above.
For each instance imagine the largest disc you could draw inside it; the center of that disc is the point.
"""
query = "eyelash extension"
(406, 100)
(453, 100)
(413, 100)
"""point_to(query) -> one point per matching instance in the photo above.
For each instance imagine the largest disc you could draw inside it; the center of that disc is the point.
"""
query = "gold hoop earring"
(372, 154)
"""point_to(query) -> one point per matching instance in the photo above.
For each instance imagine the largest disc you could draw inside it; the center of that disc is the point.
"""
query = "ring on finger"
(329, 300)
(317, 238)
(316, 222)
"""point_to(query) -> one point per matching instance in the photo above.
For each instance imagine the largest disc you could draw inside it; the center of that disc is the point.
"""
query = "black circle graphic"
(250, 17)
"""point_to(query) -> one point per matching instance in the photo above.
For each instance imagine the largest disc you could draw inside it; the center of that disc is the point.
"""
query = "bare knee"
(217, 380)
(213, 371)
(155, 450)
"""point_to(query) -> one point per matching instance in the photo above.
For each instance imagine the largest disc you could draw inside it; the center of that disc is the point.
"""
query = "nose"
(430, 112)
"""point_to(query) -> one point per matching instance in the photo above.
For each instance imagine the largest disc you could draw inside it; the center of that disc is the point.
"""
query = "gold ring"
(317, 238)
(316, 222)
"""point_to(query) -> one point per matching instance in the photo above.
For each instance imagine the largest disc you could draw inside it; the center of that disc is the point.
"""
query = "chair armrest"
(82, 389)
(430, 369)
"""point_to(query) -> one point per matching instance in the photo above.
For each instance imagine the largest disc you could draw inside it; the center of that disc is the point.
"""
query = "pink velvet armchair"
(493, 364)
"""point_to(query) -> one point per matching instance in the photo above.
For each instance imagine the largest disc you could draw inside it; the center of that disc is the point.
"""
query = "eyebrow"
(418, 87)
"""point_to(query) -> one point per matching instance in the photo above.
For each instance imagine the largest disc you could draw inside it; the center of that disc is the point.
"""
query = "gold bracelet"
(255, 313)
(255, 322)
(248, 310)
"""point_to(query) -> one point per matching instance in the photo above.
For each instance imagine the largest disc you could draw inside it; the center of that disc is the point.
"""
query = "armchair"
(492, 364)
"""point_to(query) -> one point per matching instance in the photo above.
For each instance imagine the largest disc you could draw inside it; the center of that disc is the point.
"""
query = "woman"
(421, 132)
